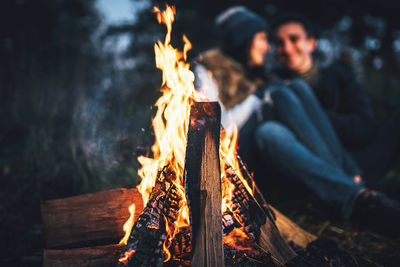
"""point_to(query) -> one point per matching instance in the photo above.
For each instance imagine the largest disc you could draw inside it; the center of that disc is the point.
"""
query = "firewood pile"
(245, 234)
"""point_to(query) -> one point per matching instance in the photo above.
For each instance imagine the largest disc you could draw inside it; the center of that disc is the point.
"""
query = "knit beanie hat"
(238, 24)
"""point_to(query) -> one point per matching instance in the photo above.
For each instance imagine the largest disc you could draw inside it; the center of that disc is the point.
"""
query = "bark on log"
(95, 204)
(92, 219)
(100, 256)
(203, 184)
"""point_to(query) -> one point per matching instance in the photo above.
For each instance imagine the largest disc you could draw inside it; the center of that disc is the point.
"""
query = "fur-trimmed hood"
(233, 81)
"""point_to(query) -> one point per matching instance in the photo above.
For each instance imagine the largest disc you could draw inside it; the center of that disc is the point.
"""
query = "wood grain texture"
(271, 241)
(203, 184)
(100, 256)
(209, 247)
(291, 231)
(88, 219)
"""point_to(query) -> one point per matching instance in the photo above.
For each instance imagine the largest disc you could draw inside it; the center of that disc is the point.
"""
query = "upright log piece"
(203, 184)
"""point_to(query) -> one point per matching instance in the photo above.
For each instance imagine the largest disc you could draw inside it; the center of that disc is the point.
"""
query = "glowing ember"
(128, 225)
(126, 256)
(239, 240)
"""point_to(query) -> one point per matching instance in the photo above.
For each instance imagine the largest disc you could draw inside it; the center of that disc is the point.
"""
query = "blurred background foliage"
(76, 94)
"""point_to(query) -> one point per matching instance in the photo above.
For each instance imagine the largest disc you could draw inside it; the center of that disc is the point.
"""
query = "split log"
(203, 184)
(99, 256)
(291, 231)
(258, 221)
(90, 219)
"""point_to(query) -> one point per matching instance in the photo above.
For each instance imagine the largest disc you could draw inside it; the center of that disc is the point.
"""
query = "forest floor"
(311, 215)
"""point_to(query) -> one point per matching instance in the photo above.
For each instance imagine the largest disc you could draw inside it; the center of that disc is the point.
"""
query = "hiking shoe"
(378, 212)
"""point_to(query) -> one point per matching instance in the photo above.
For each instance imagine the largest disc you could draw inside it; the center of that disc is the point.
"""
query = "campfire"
(196, 204)
(201, 206)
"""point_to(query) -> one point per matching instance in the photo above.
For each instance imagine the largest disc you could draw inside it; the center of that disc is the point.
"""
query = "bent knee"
(301, 88)
(272, 131)
(299, 82)
(284, 96)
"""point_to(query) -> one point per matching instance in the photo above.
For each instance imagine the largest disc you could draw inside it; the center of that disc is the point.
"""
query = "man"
(342, 97)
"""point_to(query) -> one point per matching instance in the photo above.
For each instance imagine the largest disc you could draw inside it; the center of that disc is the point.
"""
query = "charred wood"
(145, 244)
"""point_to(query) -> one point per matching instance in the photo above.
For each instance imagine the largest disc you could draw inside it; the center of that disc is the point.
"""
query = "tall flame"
(171, 124)
(173, 109)
(172, 118)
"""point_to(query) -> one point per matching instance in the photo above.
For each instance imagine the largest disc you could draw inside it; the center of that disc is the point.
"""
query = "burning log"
(145, 244)
(99, 256)
(203, 184)
(204, 196)
(79, 217)
(289, 231)
(94, 219)
(258, 222)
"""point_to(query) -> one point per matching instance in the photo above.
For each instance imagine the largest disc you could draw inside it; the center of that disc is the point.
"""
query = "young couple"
(303, 119)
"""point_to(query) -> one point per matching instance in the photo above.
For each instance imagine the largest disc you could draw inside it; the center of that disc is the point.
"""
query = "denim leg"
(290, 112)
(279, 145)
(323, 125)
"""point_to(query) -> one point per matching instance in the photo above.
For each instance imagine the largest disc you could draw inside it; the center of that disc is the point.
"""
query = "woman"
(283, 122)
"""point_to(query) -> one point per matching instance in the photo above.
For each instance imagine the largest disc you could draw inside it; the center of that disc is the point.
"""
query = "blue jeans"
(301, 143)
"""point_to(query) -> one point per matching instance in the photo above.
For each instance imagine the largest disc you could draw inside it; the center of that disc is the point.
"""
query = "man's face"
(294, 47)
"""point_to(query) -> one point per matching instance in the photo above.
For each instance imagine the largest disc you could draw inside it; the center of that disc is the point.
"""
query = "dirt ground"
(376, 248)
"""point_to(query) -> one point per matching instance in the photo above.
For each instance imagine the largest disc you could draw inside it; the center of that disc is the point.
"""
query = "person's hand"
(357, 179)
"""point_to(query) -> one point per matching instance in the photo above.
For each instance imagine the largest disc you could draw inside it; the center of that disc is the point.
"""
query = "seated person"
(342, 97)
(284, 122)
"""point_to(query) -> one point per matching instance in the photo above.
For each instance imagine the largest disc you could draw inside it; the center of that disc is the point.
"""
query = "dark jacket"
(344, 100)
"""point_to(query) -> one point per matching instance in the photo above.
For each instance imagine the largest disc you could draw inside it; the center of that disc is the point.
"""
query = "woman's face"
(258, 48)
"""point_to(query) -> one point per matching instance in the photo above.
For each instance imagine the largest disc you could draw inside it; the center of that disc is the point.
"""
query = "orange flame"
(128, 225)
(126, 256)
(228, 155)
(167, 243)
(171, 120)
(239, 239)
